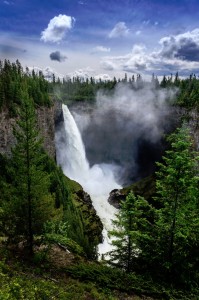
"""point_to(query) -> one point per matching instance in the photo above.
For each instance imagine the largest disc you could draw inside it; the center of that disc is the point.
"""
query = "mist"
(126, 128)
(113, 142)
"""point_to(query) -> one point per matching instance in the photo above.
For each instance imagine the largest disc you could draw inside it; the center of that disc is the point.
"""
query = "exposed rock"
(46, 124)
(115, 198)
(194, 127)
(46, 117)
(144, 187)
(59, 257)
(92, 223)
(7, 140)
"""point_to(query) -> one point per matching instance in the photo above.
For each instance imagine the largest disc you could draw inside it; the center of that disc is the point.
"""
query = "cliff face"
(46, 117)
(48, 120)
(46, 124)
(7, 139)
(194, 128)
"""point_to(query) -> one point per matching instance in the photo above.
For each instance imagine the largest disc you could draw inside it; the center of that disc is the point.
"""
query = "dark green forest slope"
(48, 228)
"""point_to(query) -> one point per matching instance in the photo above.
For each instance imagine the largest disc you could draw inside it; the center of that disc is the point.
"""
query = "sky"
(102, 38)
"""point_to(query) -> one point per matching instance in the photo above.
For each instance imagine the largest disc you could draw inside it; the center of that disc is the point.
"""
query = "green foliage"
(131, 283)
(188, 90)
(57, 232)
(15, 285)
(178, 219)
(131, 229)
(27, 201)
(162, 240)
(12, 81)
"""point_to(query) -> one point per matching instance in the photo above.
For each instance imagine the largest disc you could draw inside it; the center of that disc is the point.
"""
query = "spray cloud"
(126, 128)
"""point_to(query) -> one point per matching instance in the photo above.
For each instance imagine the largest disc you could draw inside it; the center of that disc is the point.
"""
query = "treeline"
(80, 89)
(188, 90)
(13, 80)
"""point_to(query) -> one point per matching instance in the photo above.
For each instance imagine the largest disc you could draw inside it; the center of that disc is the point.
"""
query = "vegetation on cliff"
(157, 227)
(34, 191)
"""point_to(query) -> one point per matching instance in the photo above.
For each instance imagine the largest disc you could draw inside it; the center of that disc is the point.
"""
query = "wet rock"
(115, 198)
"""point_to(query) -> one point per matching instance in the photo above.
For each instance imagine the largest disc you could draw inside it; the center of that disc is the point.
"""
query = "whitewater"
(98, 181)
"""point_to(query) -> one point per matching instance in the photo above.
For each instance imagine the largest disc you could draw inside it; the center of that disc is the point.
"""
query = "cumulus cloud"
(176, 53)
(120, 30)
(48, 73)
(103, 77)
(84, 73)
(184, 46)
(57, 28)
(100, 49)
(87, 73)
(58, 56)
(135, 61)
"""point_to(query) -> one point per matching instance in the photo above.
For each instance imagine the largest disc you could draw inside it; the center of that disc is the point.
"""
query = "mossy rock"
(144, 187)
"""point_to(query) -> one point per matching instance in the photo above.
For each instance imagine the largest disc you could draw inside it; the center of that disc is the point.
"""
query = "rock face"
(115, 198)
(7, 139)
(92, 223)
(46, 124)
(194, 128)
(144, 187)
(46, 117)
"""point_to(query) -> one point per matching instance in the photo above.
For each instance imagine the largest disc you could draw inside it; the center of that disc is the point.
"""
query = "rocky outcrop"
(144, 187)
(92, 223)
(46, 124)
(194, 128)
(7, 139)
(46, 117)
(115, 198)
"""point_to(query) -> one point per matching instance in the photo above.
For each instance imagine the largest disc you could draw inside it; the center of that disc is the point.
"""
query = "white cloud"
(87, 73)
(184, 46)
(84, 73)
(57, 28)
(100, 49)
(131, 62)
(120, 30)
(103, 77)
(48, 73)
(177, 53)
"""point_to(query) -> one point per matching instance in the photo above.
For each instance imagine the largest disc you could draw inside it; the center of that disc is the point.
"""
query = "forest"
(49, 236)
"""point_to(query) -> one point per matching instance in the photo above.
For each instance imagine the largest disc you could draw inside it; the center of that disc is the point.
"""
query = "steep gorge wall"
(46, 117)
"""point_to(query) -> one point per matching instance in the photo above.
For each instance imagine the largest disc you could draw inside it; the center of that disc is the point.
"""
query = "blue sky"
(102, 38)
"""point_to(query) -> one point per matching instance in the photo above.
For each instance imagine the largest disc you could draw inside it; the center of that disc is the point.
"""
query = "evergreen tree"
(178, 219)
(130, 229)
(29, 203)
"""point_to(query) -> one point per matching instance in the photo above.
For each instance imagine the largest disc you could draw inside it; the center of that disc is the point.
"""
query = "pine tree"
(178, 219)
(131, 228)
(29, 202)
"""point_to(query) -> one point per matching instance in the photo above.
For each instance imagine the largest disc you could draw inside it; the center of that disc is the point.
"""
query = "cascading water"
(75, 162)
(98, 181)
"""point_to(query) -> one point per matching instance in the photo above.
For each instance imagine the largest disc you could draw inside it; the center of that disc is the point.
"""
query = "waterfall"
(98, 181)
(75, 162)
